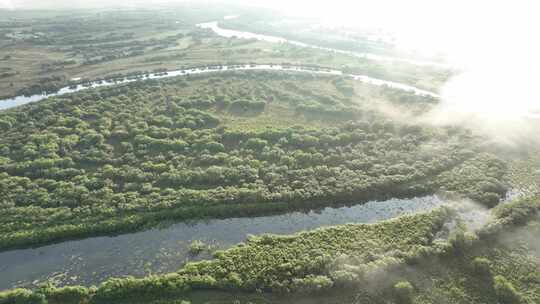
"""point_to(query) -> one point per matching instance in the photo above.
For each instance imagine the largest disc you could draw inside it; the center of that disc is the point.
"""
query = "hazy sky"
(429, 23)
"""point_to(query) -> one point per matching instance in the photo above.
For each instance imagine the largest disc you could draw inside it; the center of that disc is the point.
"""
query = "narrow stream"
(21, 100)
(90, 261)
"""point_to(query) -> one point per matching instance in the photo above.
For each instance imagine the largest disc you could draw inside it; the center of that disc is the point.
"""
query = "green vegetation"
(404, 292)
(229, 144)
(355, 40)
(272, 23)
(44, 51)
(302, 262)
(498, 266)
(524, 173)
(306, 262)
(400, 260)
(481, 266)
(505, 291)
(117, 158)
(197, 247)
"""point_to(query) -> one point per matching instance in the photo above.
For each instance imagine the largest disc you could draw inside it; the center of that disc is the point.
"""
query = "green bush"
(66, 295)
(461, 240)
(311, 283)
(506, 292)
(197, 247)
(481, 266)
(21, 296)
(404, 292)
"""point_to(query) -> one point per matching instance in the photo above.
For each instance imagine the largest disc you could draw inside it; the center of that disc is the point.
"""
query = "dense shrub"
(505, 291)
(21, 296)
(114, 158)
(404, 292)
(481, 266)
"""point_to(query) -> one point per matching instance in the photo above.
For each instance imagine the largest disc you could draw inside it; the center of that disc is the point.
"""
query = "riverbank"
(207, 153)
(166, 248)
(141, 221)
(229, 31)
(344, 259)
(379, 234)
(21, 100)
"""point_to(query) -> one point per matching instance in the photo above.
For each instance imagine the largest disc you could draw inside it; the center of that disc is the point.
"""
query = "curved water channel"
(21, 100)
(228, 33)
(92, 260)
(160, 250)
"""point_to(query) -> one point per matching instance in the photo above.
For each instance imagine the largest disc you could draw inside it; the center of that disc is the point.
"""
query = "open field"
(45, 53)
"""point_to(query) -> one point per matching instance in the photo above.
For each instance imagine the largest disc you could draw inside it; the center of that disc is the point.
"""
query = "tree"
(506, 292)
(481, 266)
(5, 125)
(22, 296)
(404, 292)
(256, 144)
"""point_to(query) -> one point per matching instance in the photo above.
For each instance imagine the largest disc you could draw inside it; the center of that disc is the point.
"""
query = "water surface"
(21, 100)
(228, 33)
(90, 261)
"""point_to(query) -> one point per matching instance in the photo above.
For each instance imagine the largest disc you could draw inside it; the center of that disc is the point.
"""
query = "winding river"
(160, 250)
(21, 100)
(92, 260)
(228, 33)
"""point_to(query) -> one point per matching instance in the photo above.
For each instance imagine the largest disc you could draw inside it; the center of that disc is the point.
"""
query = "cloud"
(7, 4)
(492, 42)
(496, 91)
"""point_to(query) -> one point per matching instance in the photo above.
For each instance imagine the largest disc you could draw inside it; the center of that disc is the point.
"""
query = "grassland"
(43, 52)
